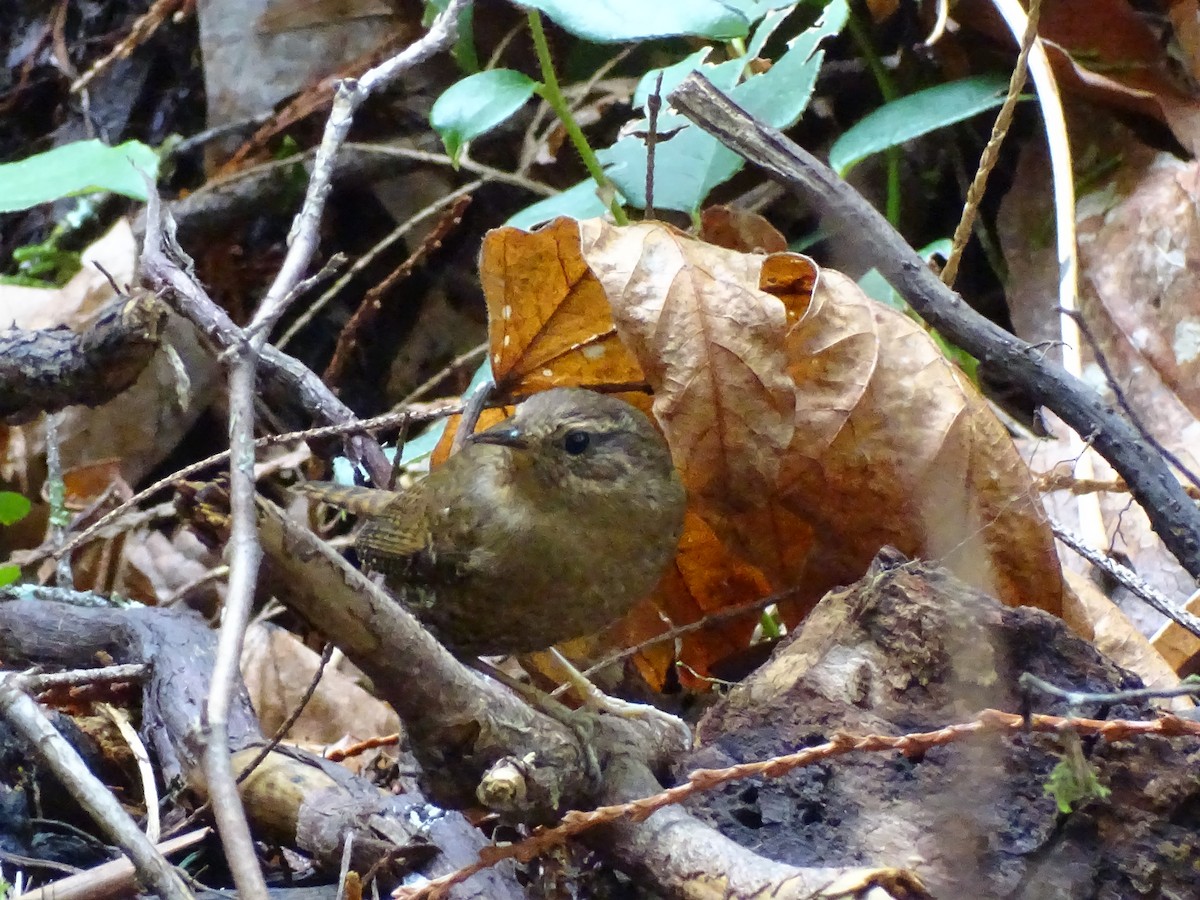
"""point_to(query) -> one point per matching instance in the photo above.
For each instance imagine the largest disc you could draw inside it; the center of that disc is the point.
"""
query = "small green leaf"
(13, 507)
(464, 47)
(9, 574)
(46, 263)
(614, 21)
(916, 115)
(478, 104)
(79, 168)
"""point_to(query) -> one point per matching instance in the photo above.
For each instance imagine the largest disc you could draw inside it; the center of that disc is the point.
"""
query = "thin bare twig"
(410, 412)
(991, 152)
(37, 684)
(371, 255)
(57, 490)
(1031, 682)
(1123, 401)
(110, 879)
(244, 349)
(140, 32)
(1127, 579)
(351, 94)
(245, 552)
(653, 105)
(293, 717)
(369, 309)
(1065, 481)
(145, 768)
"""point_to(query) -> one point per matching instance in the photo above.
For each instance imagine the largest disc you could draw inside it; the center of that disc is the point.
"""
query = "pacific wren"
(546, 527)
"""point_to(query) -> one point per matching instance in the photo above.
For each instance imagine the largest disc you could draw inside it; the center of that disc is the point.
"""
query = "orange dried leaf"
(549, 324)
(487, 419)
(86, 483)
(740, 229)
(811, 425)
(707, 577)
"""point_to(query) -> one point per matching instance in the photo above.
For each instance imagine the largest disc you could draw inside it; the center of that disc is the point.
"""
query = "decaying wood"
(48, 369)
(293, 797)
(909, 649)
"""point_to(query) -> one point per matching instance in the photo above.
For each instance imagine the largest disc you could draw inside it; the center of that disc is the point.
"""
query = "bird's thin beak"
(505, 435)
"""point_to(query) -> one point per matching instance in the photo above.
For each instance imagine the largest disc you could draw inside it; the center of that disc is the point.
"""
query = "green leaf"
(756, 9)
(9, 574)
(578, 202)
(46, 263)
(691, 163)
(916, 115)
(79, 168)
(13, 507)
(613, 21)
(478, 104)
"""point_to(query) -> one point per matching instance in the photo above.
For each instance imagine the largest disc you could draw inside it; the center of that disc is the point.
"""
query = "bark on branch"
(52, 368)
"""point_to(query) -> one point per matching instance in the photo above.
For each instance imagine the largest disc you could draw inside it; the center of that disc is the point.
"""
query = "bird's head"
(580, 444)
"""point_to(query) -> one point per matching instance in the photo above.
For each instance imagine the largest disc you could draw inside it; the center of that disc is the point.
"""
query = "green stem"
(552, 94)
(889, 92)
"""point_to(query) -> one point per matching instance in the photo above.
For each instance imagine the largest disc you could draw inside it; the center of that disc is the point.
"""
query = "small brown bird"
(546, 527)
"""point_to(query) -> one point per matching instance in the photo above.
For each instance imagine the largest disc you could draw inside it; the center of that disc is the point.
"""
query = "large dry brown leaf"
(1139, 243)
(278, 670)
(1117, 267)
(1107, 52)
(895, 446)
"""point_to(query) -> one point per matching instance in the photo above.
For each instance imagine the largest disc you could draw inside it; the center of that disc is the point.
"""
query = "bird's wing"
(400, 531)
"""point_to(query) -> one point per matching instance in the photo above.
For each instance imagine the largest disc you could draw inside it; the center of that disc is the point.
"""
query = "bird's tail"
(358, 500)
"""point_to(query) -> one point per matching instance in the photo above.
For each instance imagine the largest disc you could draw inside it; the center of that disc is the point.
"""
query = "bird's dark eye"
(576, 442)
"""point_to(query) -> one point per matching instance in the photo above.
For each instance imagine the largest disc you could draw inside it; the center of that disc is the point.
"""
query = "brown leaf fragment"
(1107, 52)
(1139, 242)
(740, 229)
(712, 347)
(1118, 639)
(549, 322)
(706, 578)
